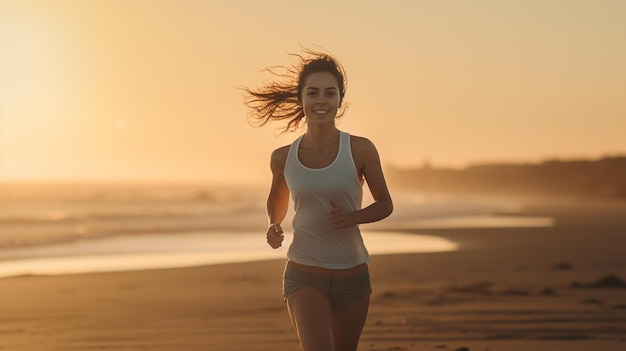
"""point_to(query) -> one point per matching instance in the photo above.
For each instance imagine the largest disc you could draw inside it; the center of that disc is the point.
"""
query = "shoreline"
(117, 254)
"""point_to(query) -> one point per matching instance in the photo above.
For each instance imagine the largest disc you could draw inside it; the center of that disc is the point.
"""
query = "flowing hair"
(281, 100)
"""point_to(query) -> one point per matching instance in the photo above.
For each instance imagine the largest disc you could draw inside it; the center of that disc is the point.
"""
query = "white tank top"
(315, 241)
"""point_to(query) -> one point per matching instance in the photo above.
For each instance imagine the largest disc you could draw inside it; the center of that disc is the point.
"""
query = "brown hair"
(281, 99)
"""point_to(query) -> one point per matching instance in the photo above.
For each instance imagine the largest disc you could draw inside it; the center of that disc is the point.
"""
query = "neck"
(319, 138)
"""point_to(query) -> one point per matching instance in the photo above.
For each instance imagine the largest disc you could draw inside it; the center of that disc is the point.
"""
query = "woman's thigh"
(312, 314)
(347, 324)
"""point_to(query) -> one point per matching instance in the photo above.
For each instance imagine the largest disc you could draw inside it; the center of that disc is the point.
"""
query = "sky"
(147, 90)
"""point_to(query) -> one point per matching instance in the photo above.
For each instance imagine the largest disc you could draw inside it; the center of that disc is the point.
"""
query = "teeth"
(321, 111)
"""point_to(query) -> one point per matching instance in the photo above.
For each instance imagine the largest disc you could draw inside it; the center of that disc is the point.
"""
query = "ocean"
(81, 228)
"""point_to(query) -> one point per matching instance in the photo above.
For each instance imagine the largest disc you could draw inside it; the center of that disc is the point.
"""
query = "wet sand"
(557, 288)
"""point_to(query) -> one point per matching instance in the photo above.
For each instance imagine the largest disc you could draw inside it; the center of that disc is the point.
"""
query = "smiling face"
(320, 97)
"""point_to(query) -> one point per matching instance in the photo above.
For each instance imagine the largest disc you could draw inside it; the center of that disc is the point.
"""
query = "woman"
(326, 282)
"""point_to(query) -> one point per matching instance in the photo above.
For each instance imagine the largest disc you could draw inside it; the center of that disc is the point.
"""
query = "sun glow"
(148, 91)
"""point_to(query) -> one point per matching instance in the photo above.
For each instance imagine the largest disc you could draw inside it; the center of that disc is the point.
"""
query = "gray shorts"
(341, 291)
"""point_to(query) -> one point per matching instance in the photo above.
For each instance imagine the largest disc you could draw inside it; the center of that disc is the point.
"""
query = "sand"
(505, 289)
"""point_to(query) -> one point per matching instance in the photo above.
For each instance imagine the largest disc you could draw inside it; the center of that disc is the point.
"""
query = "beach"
(510, 289)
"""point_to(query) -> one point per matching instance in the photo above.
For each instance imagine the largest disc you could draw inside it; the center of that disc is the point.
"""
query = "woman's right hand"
(275, 236)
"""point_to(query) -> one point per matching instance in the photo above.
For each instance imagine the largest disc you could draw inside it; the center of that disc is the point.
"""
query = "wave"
(45, 218)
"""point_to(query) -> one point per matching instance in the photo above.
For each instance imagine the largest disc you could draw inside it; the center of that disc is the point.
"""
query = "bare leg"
(311, 314)
(348, 324)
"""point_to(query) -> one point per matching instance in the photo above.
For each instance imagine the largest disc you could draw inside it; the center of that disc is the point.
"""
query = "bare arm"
(368, 163)
(278, 198)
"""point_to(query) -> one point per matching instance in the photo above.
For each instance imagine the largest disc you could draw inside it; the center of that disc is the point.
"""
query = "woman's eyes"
(314, 93)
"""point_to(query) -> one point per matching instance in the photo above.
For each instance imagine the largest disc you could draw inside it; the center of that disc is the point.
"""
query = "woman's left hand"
(339, 217)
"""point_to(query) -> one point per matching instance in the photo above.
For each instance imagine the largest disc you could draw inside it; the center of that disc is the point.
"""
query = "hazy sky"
(147, 90)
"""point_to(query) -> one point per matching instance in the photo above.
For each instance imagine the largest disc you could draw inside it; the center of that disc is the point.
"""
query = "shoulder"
(281, 152)
(364, 153)
(361, 145)
(279, 157)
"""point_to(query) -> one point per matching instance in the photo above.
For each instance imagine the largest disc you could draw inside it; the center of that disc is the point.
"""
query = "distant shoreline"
(601, 179)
